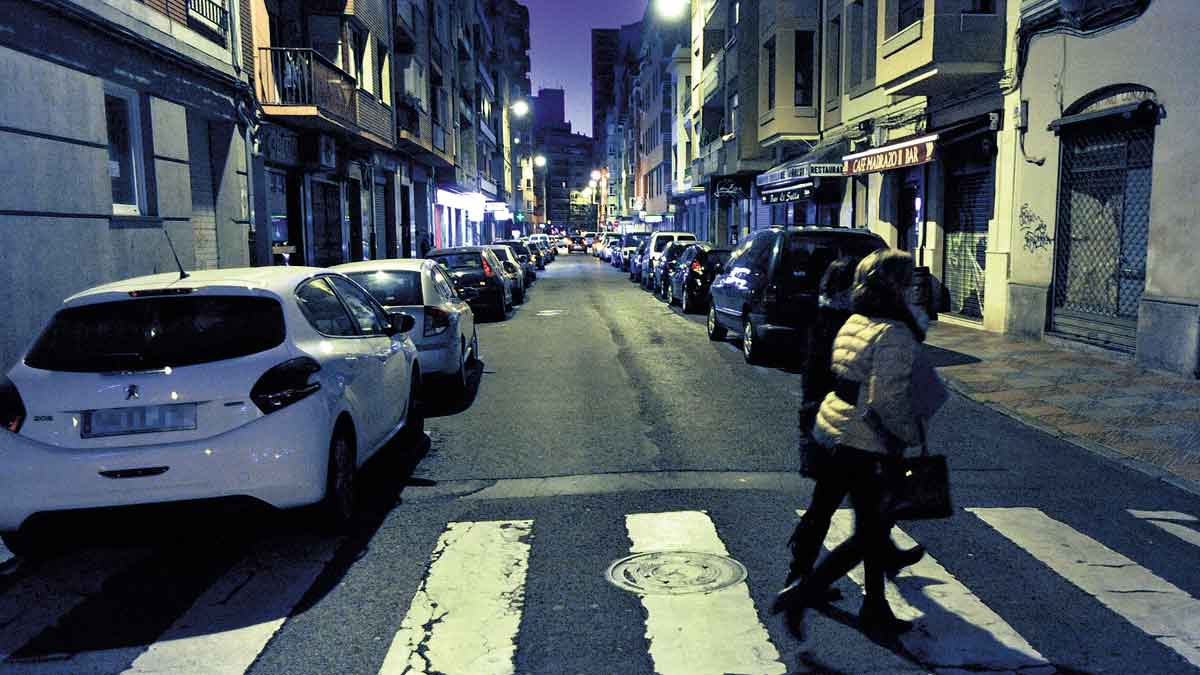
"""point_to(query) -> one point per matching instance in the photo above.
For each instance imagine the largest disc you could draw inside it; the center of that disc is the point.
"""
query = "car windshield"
(577, 240)
(672, 252)
(519, 248)
(502, 252)
(661, 243)
(391, 288)
(156, 332)
(807, 257)
(460, 261)
(635, 239)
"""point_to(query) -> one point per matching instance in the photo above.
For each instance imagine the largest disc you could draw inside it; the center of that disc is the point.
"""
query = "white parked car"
(445, 325)
(275, 383)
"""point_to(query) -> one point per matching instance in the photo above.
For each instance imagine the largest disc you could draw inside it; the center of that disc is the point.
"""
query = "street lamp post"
(539, 162)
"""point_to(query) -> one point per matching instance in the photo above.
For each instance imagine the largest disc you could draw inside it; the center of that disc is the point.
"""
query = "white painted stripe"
(1164, 515)
(702, 634)
(465, 615)
(37, 602)
(230, 624)
(5, 554)
(1165, 520)
(1165, 612)
(954, 628)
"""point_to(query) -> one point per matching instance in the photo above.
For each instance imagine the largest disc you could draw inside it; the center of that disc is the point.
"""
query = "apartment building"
(652, 117)
(123, 123)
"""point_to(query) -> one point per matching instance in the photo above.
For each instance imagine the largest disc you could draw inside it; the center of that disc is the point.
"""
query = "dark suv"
(767, 292)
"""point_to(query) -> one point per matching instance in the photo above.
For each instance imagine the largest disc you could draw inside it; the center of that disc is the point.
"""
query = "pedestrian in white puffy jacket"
(868, 417)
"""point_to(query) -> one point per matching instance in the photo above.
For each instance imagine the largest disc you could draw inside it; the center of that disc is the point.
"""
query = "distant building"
(605, 47)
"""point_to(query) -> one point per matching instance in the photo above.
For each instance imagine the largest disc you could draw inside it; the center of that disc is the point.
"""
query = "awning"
(908, 153)
(825, 159)
(1142, 111)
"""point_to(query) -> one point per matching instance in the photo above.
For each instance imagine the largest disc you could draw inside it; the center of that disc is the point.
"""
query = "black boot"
(877, 620)
(899, 559)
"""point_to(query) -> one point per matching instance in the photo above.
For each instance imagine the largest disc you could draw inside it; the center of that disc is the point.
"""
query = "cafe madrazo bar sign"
(898, 156)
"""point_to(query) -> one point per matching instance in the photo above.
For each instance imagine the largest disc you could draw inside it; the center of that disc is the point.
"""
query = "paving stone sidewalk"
(1106, 404)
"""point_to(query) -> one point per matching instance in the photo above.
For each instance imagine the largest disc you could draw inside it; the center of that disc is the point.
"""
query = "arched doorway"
(1107, 150)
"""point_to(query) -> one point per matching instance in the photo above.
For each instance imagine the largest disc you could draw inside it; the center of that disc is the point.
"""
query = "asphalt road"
(604, 424)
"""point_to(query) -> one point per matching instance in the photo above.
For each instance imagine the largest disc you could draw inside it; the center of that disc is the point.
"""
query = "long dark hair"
(881, 283)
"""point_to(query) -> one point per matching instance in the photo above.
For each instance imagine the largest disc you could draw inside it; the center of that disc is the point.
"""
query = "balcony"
(306, 88)
(408, 18)
(941, 53)
(210, 15)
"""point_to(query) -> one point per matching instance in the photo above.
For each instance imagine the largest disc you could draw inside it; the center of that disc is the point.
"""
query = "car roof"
(457, 249)
(278, 279)
(409, 264)
(837, 231)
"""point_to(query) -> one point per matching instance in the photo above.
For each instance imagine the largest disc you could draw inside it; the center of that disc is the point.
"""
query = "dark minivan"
(478, 277)
(698, 265)
(767, 292)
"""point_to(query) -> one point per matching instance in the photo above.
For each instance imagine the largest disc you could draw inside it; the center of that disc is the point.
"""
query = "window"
(360, 56)
(855, 56)
(323, 310)
(391, 288)
(834, 57)
(770, 59)
(383, 74)
(805, 65)
(908, 12)
(735, 13)
(980, 7)
(367, 317)
(733, 112)
(126, 163)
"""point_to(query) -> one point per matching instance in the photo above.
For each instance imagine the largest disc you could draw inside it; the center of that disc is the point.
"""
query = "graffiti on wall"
(1034, 229)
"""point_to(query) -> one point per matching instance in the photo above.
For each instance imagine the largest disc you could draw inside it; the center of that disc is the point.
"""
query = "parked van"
(658, 243)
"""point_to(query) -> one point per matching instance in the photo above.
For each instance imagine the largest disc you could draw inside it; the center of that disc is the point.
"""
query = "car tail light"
(696, 267)
(437, 320)
(12, 408)
(285, 384)
(487, 269)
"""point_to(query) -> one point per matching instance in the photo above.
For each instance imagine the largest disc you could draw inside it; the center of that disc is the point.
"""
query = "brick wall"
(247, 35)
(176, 9)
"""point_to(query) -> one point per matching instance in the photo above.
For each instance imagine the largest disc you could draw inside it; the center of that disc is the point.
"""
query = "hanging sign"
(897, 156)
(796, 193)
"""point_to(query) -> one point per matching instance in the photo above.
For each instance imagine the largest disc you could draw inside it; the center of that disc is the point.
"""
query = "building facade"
(123, 124)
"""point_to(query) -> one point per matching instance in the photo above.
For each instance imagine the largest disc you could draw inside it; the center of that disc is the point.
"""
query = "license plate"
(139, 420)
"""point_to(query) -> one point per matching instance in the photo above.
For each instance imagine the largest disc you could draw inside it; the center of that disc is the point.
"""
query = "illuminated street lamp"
(592, 184)
(520, 108)
(539, 161)
(595, 175)
(672, 9)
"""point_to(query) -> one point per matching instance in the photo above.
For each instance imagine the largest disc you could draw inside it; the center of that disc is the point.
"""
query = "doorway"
(327, 223)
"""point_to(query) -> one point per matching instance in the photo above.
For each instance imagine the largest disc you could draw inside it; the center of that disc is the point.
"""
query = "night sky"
(561, 47)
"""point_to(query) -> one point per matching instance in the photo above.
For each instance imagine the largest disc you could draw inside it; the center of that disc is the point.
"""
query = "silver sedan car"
(444, 332)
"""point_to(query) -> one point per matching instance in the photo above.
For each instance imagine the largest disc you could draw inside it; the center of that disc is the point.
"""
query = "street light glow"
(672, 9)
(520, 108)
(592, 183)
(539, 161)
(595, 175)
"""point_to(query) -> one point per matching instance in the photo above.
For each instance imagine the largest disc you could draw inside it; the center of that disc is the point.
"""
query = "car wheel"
(752, 348)
(340, 498)
(501, 309)
(670, 292)
(685, 303)
(413, 433)
(462, 375)
(716, 332)
(29, 543)
(474, 348)
(519, 299)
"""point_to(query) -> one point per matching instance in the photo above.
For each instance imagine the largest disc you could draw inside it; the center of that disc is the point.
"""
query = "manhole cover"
(675, 573)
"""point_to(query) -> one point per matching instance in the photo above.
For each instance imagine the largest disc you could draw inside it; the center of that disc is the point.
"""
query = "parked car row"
(270, 383)
(765, 291)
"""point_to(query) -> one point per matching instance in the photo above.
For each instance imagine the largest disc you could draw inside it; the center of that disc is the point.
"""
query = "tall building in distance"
(605, 47)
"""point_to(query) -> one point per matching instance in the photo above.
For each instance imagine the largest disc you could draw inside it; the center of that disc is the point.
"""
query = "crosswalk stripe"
(954, 628)
(253, 599)
(465, 615)
(704, 633)
(1165, 612)
(37, 602)
(1168, 521)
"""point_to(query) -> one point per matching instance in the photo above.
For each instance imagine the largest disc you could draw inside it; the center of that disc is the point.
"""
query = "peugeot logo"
(132, 392)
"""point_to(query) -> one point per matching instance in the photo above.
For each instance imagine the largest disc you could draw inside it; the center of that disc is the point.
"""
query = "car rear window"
(151, 333)
(390, 287)
(460, 261)
(661, 243)
(502, 253)
(806, 257)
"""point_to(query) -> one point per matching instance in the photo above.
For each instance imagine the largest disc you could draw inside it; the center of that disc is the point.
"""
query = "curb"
(1112, 455)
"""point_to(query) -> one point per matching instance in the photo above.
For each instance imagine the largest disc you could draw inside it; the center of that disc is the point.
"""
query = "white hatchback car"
(275, 383)
(445, 325)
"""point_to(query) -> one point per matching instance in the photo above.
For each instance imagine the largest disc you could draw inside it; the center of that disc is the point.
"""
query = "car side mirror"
(510, 268)
(400, 322)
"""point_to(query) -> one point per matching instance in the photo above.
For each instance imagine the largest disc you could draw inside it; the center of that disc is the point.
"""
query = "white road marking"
(37, 602)
(1166, 521)
(702, 634)
(1165, 612)
(230, 624)
(954, 628)
(465, 616)
(5, 554)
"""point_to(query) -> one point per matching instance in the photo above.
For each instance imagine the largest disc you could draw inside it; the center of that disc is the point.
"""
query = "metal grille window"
(1103, 229)
(969, 207)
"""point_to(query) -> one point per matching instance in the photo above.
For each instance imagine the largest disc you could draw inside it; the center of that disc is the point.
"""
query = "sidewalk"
(1141, 418)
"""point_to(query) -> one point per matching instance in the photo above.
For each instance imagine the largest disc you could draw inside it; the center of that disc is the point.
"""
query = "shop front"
(284, 198)
(804, 191)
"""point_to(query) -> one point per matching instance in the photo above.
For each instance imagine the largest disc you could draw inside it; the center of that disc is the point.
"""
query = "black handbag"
(918, 488)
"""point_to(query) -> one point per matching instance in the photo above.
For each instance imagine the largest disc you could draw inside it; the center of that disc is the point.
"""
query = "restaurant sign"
(897, 156)
(796, 193)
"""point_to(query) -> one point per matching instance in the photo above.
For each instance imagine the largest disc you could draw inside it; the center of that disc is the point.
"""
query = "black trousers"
(860, 474)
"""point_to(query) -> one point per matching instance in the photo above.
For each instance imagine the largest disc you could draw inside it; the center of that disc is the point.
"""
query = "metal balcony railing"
(212, 13)
(304, 77)
(439, 137)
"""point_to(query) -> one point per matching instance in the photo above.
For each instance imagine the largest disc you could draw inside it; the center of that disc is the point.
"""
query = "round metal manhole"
(675, 573)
